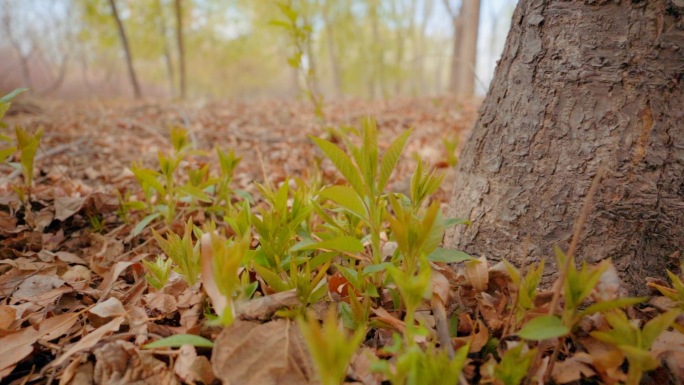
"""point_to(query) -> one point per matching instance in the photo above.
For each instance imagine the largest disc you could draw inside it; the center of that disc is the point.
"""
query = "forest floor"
(77, 303)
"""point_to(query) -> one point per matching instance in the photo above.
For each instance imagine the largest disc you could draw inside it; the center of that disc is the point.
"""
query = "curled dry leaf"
(137, 319)
(14, 347)
(263, 308)
(67, 206)
(217, 299)
(571, 370)
(89, 340)
(440, 286)
(120, 363)
(161, 302)
(7, 316)
(361, 365)
(477, 272)
(605, 359)
(37, 285)
(478, 339)
(247, 353)
(112, 307)
(192, 368)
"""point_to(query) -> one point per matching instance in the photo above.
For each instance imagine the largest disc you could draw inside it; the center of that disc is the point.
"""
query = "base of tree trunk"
(581, 85)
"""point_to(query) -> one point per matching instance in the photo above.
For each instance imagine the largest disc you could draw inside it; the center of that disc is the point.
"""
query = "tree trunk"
(168, 61)
(181, 51)
(127, 50)
(332, 51)
(581, 86)
(466, 26)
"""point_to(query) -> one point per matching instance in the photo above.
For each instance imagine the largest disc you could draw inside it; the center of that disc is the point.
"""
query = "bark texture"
(581, 84)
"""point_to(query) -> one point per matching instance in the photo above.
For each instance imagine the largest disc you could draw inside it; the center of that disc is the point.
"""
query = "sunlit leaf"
(543, 328)
(178, 340)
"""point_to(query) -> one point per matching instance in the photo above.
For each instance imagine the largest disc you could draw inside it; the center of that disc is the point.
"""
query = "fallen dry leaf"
(14, 347)
(477, 273)
(89, 340)
(264, 307)
(67, 206)
(120, 363)
(112, 307)
(571, 370)
(273, 353)
(192, 368)
(161, 302)
(7, 316)
(360, 367)
(218, 301)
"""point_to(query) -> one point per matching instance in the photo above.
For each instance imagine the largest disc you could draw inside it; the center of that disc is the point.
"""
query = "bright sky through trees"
(380, 48)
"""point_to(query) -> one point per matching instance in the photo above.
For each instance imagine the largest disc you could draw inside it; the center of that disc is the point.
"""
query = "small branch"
(441, 324)
(586, 208)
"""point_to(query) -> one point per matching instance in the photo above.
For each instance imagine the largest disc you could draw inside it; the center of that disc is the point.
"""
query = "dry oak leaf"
(14, 347)
(112, 307)
(67, 206)
(571, 370)
(192, 368)
(89, 340)
(120, 362)
(7, 316)
(273, 353)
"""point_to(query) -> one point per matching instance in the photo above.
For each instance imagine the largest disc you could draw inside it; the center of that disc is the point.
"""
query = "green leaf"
(178, 340)
(543, 328)
(456, 221)
(342, 162)
(7, 98)
(513, 273)
(142, 224)
(391, 158)
(376, 268)
(604, 306)
(345, 197)
(195, 192)
(3, 110)
(643, 359)
(369, 151)
(272, 279)
(657, 325)
(6, 152)
(342, 243)
(449, 256)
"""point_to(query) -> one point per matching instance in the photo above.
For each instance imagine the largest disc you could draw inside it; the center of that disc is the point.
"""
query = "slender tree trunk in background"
(581, 86)
(466, 50)
(419, 86)
(168, 60)
(378, 64)
(332, 51)
(24, 58)
(181, 51)
(457, 25)
(312, 73)
(59, 78)
(127, 50)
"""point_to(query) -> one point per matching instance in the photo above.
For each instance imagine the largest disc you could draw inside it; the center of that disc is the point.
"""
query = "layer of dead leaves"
(76, 308)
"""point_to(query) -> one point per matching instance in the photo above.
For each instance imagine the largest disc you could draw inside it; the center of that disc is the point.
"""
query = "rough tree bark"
(581, 84)
(127, 50)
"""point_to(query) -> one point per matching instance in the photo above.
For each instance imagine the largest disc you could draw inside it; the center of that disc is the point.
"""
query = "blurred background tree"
(232, 49)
